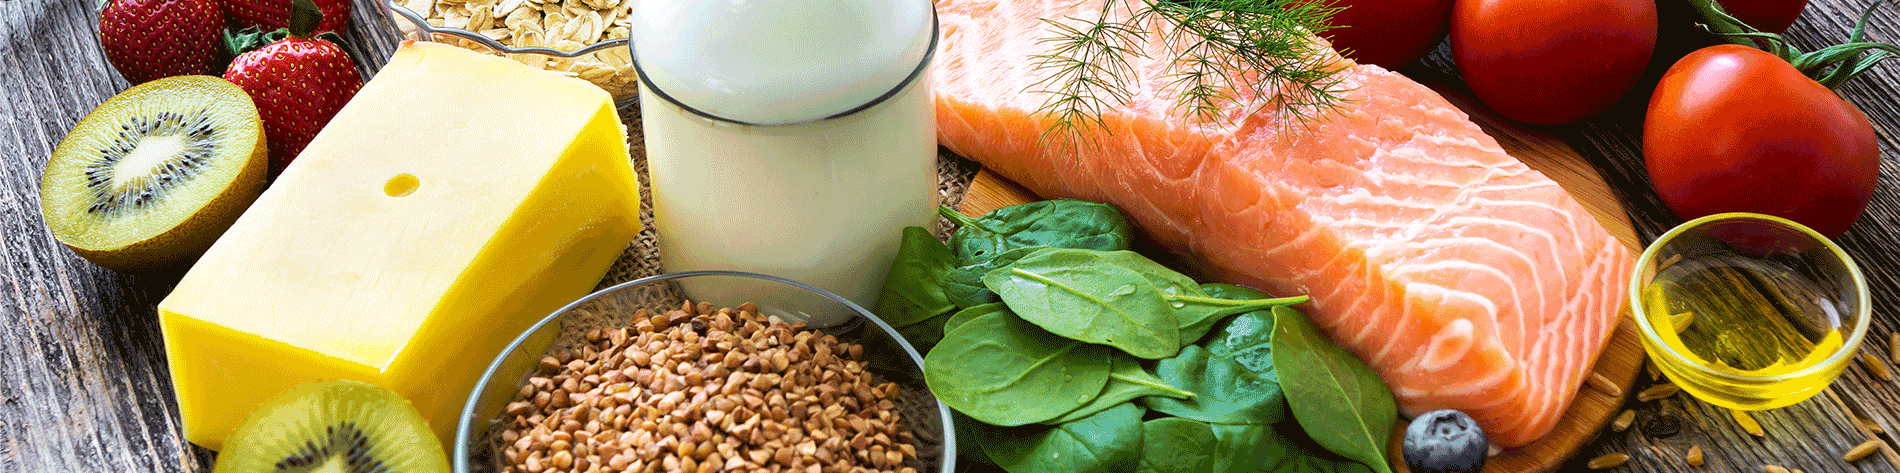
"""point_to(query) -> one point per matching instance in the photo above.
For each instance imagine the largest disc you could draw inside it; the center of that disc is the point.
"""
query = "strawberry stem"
(251, 38)
(1830, 66)
(304, 17)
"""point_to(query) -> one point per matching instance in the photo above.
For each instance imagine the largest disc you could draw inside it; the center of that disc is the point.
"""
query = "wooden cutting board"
(1593, 409)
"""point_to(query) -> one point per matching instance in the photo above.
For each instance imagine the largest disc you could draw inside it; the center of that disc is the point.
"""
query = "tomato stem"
(1830, 66)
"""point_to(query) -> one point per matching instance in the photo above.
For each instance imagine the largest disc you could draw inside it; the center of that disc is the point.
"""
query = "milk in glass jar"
(794, 138)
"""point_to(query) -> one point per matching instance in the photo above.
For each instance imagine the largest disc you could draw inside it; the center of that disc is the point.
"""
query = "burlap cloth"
(642, 258)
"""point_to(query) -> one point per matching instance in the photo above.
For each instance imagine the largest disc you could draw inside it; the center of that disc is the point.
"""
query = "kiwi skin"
(310, 425)
(189, 239)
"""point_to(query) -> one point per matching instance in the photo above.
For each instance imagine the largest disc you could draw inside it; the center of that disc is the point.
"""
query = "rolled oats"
(566, 25)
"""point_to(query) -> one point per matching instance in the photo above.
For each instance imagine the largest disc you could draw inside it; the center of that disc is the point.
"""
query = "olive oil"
(1758, 329)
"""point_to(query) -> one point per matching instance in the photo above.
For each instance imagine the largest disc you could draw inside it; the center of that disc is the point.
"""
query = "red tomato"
(1734, 129)
(1552, 62)
(1773, 16)
(1389, 33)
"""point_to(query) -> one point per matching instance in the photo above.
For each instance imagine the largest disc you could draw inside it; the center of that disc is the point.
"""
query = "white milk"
(815, 188)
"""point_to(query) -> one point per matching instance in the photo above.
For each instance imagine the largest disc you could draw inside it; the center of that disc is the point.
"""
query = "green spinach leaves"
(1067, 353)
(1052, 223)
(913, 289)
(1002, 370)
(1225, 391)
(1109, 440)
(1127, 380)
(1075, 294)
(1337, 398)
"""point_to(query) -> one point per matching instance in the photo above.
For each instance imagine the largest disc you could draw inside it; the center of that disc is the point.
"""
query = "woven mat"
(642, 257)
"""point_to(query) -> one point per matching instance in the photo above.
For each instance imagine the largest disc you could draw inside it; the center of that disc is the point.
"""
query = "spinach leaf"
(959, 317)
(1314, 464)
(1198, 313)
(1278, 448)
(1246, 338)
(1171, 282)
(1225, 391)
(924, 335)
(1107, 441)
(1337, 399)
(1173, 444)
(963, 285)
(1198, 328)
(1076, 294)
(970, 439)
(913, 289)
(1002, 370)
(1249, 448)
(1057, 223)
(1126, 381)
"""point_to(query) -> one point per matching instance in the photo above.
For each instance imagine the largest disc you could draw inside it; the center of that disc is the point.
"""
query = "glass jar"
(787, 137)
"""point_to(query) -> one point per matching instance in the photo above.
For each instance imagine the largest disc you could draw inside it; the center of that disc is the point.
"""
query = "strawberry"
(273, 14)
(299, 82)
(151, 39)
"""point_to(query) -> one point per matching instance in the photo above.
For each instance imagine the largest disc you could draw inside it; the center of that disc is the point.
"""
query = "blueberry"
(1445, 441)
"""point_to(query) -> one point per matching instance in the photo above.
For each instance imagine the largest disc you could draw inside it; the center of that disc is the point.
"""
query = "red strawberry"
(273, 14)
(151, 39)
(298, 82)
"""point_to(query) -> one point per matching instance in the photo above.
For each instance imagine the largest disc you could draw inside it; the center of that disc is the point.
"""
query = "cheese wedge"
(456, 200)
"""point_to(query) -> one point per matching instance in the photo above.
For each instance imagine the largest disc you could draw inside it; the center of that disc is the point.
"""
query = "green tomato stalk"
(1830, 66)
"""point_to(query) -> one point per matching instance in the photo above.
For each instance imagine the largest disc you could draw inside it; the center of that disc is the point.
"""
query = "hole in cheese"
(401, 185)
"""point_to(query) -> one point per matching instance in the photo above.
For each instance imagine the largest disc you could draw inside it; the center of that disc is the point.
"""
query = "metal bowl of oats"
(586, 39)
(636, 377)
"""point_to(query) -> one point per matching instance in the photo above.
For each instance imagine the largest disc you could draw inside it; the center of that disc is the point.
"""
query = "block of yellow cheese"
(457, 199)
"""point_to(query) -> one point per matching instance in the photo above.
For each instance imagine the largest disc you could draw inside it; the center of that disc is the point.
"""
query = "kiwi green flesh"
(337, 425)
(151, 177)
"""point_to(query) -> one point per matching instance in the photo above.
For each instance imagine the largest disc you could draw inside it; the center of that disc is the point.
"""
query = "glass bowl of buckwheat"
(642, 377)
(586, 39)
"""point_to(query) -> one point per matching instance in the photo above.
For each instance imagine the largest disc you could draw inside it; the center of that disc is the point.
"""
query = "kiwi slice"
(339, 426)
(152, 176)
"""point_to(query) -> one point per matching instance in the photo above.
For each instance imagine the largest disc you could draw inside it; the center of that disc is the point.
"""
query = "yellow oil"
(1751, 323)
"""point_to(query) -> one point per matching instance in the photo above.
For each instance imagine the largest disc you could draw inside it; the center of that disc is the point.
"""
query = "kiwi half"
(155, 174)
(337, 426)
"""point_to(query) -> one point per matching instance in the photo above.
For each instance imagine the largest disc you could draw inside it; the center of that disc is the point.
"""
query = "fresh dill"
(1225, 51)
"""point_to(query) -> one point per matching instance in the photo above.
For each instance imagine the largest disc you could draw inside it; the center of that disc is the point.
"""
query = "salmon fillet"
(1466, 279)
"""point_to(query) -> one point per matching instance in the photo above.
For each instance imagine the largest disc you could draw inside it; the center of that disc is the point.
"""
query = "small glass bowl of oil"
(1749, 311)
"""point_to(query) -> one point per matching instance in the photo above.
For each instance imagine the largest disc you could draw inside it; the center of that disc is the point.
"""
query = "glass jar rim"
(916, 74)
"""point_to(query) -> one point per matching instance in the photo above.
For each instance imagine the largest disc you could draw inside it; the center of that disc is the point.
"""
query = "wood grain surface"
(83, 382)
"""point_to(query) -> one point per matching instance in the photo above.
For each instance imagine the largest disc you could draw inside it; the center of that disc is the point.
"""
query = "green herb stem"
(1260, 303)
(1831, 66)
(1151, 383)
(955, 217)
(1228, 50)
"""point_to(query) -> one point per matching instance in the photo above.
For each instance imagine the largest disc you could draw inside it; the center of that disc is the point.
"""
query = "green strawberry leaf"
(304, 17)
(251, 38)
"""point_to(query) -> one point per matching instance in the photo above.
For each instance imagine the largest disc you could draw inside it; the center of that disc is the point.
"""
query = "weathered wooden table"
(84, 385)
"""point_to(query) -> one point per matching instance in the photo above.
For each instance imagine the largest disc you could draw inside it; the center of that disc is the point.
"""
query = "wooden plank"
(87, 388)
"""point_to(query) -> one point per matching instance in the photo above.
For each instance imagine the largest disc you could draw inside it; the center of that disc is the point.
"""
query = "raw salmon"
(1466, 279)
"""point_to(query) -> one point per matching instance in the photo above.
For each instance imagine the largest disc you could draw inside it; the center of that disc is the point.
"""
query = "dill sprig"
(1225, 50)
